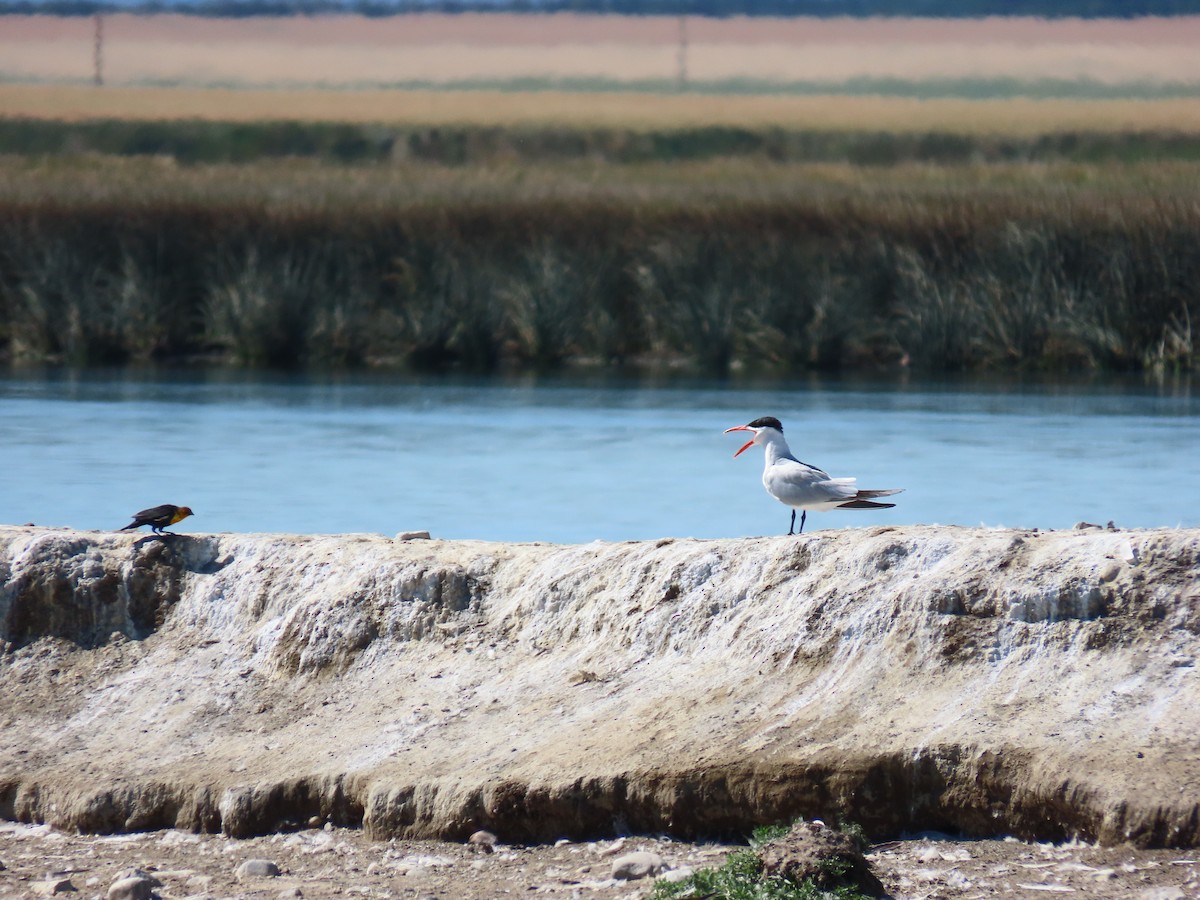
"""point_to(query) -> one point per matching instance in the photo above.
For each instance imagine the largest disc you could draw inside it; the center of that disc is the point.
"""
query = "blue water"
(575, 461)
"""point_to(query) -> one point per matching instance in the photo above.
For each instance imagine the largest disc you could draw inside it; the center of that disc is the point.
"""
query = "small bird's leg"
(803, 516)
(792, 529)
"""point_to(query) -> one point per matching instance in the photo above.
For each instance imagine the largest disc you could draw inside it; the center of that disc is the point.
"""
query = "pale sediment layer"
(969, 680)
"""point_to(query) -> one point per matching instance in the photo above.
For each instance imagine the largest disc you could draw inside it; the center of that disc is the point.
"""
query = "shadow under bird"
(159, 517)
(799, 485)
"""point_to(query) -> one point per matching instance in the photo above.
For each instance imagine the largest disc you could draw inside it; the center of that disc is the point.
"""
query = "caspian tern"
(799, 485)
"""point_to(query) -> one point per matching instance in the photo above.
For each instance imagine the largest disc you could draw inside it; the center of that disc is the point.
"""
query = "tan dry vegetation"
(299, 184)
(351, 50)
(1017, 116)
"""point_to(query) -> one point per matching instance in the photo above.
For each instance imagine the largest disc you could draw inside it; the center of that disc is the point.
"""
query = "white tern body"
(799, 485)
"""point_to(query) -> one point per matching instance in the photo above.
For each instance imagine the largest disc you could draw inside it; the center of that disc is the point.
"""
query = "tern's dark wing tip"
(867, 495)
(864, 504)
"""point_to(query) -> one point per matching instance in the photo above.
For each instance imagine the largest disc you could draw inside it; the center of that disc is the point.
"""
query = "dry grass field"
(1013, 116)
(578, 70)
(438, 50)
(346, 192)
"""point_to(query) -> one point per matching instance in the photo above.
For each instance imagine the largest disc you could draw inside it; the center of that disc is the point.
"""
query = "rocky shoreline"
(973, 681)
(327, 863)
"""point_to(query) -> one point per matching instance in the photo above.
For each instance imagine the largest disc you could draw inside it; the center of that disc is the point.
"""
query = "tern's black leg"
(803, 516)
(792, 529)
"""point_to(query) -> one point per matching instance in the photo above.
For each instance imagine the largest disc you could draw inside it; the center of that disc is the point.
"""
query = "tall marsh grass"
(458, 144)
(777, 269)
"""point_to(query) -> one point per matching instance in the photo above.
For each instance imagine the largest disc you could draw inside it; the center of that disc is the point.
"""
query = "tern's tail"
(864, 504)
(863, 500)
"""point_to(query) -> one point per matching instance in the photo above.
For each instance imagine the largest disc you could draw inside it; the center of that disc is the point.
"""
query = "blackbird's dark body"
(159, 517)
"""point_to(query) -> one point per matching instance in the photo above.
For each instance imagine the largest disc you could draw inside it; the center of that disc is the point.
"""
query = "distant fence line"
(1123, 9)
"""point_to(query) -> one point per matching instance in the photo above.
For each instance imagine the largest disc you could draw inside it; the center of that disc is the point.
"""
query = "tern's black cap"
(767, 422)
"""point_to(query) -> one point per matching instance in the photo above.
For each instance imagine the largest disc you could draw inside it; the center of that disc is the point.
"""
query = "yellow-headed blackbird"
(159, 517)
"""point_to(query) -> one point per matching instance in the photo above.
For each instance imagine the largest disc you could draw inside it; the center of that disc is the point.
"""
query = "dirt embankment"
(985, 682)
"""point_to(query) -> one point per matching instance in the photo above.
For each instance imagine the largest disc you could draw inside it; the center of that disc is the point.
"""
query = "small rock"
(482, 842)
(140, 873)
(315, 822)
(612, 849)
(413, 536)
(425, 861)
(676, 875)
(290, 893)
(1162, 893)
(132, 887)
(639, 864)
(53, 886)
(257, 868)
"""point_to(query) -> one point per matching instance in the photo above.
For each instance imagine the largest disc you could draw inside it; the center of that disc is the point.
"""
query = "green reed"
(709, 266)
(343, 143)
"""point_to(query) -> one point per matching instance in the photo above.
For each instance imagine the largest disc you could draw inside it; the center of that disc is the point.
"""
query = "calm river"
(580, 460)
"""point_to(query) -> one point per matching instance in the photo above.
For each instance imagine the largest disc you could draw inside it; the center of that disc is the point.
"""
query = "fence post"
(98, 51)
(682, 73)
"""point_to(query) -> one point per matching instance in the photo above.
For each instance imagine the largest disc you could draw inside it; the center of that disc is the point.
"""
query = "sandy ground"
(652, 657)
(350, 50)
(326, 863)
(426, 688)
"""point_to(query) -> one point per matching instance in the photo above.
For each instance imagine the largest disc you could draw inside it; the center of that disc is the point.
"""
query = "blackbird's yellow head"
(180, 514)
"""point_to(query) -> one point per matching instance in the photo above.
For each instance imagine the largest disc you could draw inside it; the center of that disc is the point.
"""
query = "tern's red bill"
(748, 444)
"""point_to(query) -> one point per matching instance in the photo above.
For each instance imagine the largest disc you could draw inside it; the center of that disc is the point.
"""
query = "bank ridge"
(977, 681)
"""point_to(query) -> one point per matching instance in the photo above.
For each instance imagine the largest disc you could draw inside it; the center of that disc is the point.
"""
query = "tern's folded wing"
(838, 488)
